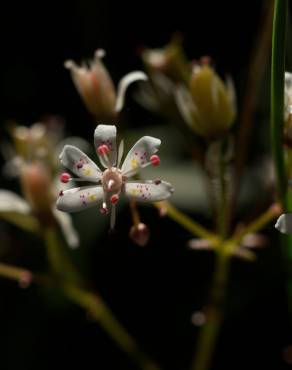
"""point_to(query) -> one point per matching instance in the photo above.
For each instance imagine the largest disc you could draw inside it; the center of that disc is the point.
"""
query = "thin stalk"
(214, 313)
(187, 223)
(277, 96)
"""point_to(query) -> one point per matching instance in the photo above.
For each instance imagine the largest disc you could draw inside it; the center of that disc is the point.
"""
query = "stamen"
(65, 177)
(155, 160)
(103, 150)
(114, 198)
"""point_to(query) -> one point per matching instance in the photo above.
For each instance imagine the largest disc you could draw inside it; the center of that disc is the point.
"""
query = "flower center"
(112, 180)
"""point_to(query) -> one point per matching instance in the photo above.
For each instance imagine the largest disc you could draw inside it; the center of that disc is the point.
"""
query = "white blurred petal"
(284, 223)
(67, 227)
(123, 85)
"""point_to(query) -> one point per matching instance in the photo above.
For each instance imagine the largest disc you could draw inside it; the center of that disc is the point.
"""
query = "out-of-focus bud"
(30, 142)
(209, 106)
(94, 86)
(140, 234)
(36, 187)
(169, 60)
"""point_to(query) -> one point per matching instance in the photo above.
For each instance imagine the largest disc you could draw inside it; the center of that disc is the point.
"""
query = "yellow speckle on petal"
(87, 171)
(134, 192)
(134, 164)
(92, 197)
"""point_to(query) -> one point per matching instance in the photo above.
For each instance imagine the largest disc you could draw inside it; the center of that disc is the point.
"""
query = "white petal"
(120, 153)
(78, 162)
(151, 191)
(139, 155)
(66, 225)
(284, 223)
(123, 85)
(106, 134)
(11, 202)
(78, 199)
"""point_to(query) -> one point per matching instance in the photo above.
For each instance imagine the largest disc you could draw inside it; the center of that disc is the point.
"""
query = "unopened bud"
(214, 102)
(94, 86)
(140, 234)
(36, 186)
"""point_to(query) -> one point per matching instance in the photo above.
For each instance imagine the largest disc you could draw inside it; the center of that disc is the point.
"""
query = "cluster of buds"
(204, 101)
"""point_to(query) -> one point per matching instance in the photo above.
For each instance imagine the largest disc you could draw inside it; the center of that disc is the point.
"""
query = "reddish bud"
(140, 234)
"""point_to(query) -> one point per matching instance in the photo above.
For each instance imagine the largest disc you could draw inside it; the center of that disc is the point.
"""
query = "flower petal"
(151, 191)
(139, 155)
(67, 227)
(284, 223)
(78, 162)
(77, 199)
(17, 211)
(123, 85)
(106, 135)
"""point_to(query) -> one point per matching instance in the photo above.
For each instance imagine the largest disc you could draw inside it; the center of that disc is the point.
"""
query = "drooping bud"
(94, 86)
(140, 234)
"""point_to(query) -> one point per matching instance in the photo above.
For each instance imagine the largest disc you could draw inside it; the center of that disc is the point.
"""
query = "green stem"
(214, 313)
(222, 209)
(277, 95)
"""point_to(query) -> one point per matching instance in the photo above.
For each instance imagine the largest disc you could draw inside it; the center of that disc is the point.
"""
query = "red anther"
(61, 193)
(103, 210)
(103, 149)
(65, 177)
(155, 160)
(114, 199)
(157, 182)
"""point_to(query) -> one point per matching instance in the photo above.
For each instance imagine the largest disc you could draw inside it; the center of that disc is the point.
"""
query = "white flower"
(114, 179)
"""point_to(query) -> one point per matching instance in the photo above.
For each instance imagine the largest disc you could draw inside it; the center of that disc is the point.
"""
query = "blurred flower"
(207, 104)
(114, 179)
(242, 251)
(32, 158)
(170, 61)
(140, 234)
(96, 87)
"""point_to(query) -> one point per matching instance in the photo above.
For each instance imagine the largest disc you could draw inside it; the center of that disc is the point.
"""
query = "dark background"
(154, 290)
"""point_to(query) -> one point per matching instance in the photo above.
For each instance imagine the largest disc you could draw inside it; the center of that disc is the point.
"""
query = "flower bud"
(140, 234)
(213, 100)
(36, 186)
(94, 86)
(169, 61)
